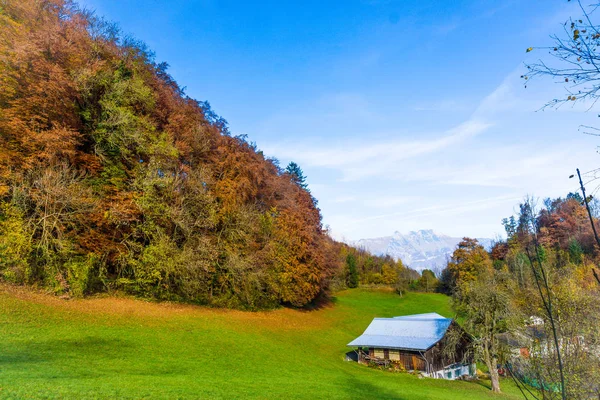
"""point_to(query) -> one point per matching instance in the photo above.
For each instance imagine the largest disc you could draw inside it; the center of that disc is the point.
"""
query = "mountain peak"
(422, 249)
(423, 232)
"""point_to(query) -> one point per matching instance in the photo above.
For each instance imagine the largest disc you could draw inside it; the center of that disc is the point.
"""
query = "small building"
(534, 340)
(416, 343)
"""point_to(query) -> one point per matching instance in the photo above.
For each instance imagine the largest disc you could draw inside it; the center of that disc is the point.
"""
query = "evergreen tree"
(575, 196)
(296, 174)
(352, 271)
(575, 251)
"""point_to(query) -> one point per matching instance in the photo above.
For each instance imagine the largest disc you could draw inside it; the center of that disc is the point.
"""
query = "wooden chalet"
(416, 343)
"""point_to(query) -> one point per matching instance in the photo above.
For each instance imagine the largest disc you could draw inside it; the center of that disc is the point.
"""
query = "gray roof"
(430, 315)
(408, 332)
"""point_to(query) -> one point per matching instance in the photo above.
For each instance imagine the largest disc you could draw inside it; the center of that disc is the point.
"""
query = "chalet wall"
(409, 360)
(412, 361)
(431, 360)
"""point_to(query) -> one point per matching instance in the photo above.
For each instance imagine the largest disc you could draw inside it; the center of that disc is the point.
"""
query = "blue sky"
(403, 115)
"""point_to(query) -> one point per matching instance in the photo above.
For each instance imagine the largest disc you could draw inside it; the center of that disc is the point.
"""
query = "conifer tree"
(296, 174)
(352, 271)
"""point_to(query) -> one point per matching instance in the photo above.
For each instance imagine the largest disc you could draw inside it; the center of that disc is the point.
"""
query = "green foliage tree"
(575, 251)
(469, 261)
(296, 174)
(510, 225)
(352, 271)
(15, 245)
(575, 196)
(485, 305)
(428, 282)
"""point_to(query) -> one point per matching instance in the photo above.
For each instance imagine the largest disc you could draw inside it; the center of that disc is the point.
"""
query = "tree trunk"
(494, 375)
(491, 363)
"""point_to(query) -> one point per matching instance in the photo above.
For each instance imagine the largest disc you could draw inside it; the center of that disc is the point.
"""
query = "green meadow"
(125, 348)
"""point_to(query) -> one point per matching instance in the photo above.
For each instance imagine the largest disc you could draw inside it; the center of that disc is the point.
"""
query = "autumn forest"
(111, 178)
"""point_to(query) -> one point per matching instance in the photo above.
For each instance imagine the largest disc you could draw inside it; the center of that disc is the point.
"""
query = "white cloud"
(360, 160)
(343, 199)
(456, 208)
(445, 105)
(376, 201)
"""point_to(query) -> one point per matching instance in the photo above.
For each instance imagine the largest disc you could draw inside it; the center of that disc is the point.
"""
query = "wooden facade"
(428, 361)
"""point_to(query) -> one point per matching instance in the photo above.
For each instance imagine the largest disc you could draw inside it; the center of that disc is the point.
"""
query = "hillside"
(118, 347)
(418, 250)
(112, 178)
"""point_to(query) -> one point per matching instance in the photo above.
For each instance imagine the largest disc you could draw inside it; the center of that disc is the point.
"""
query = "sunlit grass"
(124, 348)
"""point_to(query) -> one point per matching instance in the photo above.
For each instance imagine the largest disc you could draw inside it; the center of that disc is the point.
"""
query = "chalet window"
(379, 353)
(394, 355)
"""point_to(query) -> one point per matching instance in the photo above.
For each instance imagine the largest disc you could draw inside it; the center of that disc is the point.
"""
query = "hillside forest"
(113, 179)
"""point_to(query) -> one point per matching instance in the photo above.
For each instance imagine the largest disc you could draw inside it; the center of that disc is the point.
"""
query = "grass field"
(125, 348)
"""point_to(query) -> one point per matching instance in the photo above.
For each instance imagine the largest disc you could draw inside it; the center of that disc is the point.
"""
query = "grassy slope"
(98, 348)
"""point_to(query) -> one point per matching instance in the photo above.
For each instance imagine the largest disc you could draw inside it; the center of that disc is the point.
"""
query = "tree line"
(537, 291)
(366, 269)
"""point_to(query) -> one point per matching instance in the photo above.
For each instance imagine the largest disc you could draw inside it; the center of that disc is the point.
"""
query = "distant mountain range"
(420, 250)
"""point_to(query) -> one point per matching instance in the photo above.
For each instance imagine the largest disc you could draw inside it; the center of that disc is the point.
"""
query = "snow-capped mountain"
(420, 250)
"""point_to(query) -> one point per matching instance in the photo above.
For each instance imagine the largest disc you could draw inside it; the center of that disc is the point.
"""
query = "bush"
(15, 245)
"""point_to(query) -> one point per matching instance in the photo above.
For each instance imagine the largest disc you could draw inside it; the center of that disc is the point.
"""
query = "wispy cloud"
(445, 105)
(456, 208)
(360, 160)
(343, 199)
(378, 202)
